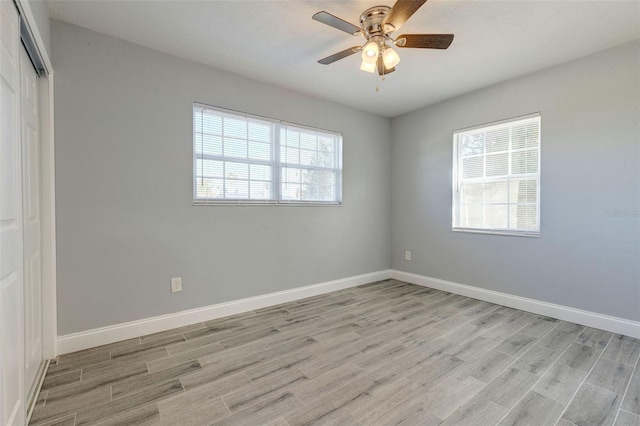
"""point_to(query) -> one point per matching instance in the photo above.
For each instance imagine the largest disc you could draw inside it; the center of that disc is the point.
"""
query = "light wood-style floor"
(385, 353)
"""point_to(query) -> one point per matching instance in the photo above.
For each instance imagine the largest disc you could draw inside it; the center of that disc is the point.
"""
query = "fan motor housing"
(371, 20)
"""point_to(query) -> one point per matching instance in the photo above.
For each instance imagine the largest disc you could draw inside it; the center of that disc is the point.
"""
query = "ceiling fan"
(376, 25)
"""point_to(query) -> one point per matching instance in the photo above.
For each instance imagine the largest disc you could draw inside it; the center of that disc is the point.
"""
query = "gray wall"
(126, 225)
(590, 163)
(125, 220)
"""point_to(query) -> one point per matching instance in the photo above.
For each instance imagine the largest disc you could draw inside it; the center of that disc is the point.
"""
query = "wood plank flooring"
(386, 353)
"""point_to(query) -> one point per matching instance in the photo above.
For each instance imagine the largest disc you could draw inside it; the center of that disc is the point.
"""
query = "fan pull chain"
(381, 80)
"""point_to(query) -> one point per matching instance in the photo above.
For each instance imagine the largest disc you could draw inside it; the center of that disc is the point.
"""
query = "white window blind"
(246, 159)
(496, 177)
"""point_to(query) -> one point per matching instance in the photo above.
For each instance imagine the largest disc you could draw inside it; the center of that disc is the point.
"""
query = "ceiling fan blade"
(337, 56)
(335, 22)
(382, 70)
(425, 41)
(401, 12)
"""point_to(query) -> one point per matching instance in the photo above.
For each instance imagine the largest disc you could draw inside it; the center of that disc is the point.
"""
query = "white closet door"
(11, 255)
(31, 220)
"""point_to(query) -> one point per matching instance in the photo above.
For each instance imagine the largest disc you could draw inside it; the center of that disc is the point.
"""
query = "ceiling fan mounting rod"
(371, 21)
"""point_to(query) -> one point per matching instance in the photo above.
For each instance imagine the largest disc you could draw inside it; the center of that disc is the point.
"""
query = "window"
(240, 158)
(496, 177)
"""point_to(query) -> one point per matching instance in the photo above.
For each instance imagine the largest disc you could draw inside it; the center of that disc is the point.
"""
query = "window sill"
(266, 203)
(507, 233)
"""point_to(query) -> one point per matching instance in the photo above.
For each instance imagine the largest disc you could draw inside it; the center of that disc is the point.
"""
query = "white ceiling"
(278, 42)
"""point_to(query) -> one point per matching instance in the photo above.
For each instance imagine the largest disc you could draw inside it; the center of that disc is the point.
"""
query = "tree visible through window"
(496, 182)
(243, 158)
(308, 159)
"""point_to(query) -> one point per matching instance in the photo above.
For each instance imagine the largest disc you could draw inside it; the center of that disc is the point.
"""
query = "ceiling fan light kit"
(368, 67)
(370, 52)
(390, 58)
(376, 25)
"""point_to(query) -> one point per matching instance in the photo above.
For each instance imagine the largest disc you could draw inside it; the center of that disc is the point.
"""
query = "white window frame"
(276, 163)
(458, 179)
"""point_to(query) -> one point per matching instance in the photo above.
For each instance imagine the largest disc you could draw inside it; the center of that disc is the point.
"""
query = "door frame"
(48, 188)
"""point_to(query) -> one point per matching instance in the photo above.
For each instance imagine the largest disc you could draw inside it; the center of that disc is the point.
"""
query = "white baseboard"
(104, 335)
(566, 313)
(114, 333)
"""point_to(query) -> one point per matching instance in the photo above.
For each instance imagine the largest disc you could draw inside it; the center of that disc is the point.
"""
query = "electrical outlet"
(176, 284)
(407, 255)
